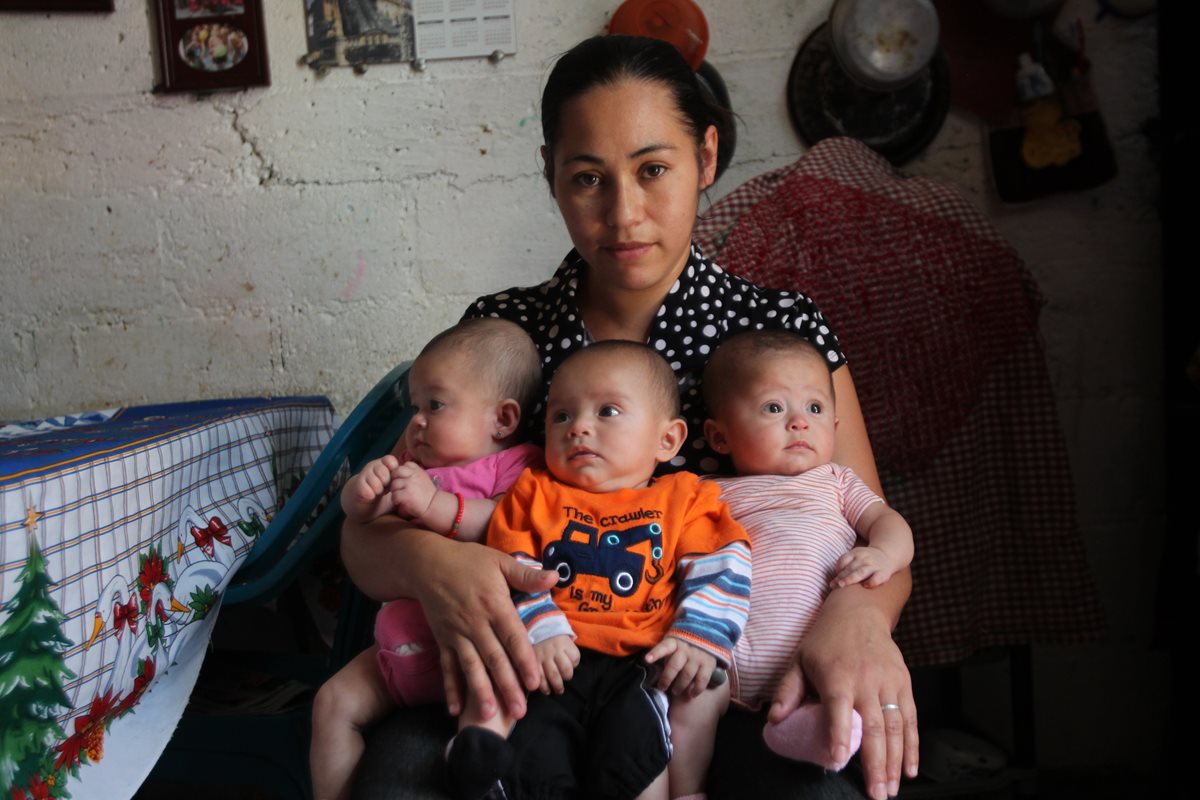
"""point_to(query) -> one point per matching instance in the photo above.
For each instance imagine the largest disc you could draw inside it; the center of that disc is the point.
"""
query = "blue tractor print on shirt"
(583, 550)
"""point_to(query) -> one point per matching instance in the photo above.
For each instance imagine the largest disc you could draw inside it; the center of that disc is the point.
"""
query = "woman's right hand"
(464, 590)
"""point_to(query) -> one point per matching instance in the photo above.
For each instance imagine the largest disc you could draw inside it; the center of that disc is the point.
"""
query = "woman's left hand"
(851, 662)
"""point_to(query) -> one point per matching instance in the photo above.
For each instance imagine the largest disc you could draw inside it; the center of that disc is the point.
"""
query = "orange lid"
(680, 22)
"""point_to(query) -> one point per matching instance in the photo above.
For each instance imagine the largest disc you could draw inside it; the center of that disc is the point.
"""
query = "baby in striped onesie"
(771, 406)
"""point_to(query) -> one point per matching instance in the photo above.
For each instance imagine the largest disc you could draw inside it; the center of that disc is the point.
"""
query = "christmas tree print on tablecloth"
(31, 685)
(150, 618)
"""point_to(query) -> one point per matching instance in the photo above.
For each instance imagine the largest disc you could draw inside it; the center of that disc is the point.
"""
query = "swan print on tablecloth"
(117, 613)
(142, 626)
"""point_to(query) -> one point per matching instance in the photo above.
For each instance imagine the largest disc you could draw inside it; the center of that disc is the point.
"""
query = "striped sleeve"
(542, 618)
(856, 495)
(511, 530)
(714, 599)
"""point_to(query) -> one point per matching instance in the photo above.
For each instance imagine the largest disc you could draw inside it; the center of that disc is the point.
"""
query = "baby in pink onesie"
(472, 388)
(770, 400)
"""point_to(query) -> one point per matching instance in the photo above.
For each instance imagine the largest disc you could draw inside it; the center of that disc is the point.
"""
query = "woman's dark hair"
(606, 60)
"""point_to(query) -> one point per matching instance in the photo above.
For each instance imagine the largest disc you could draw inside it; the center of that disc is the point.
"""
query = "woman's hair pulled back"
(606, 60)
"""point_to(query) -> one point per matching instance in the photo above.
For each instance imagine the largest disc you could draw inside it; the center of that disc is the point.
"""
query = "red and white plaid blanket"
(937, 315)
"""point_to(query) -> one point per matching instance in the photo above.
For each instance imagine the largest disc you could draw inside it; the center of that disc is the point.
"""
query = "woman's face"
(627, 178)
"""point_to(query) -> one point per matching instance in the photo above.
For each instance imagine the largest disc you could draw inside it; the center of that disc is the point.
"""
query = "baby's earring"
(498, 435)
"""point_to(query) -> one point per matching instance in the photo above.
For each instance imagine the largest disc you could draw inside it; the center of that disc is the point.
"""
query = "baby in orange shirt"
(653, 591)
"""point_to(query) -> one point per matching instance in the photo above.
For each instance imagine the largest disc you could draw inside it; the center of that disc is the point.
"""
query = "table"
(119, 531)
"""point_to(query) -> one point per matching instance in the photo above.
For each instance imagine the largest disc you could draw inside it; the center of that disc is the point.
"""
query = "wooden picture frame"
(211, 45)
(57, 5)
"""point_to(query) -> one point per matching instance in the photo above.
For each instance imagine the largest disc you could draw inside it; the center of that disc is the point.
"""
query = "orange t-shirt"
(623, 557)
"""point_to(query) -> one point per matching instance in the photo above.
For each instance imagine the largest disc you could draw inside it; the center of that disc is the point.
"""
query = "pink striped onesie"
(799, 526)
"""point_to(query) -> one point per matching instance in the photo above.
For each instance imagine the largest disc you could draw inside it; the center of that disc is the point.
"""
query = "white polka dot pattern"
(705, 306)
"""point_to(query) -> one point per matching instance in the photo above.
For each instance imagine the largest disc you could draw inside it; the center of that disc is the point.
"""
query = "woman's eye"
(814, 408)
(609, 411)
(587, 179)
(773, 408)
(654, 170)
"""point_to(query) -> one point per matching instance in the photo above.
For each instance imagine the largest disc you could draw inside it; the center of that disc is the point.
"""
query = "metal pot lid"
(824, 101)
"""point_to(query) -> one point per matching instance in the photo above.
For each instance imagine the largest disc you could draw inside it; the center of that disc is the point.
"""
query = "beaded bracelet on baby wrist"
(458, 518)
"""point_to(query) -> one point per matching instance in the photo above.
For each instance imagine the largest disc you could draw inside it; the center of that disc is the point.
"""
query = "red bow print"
(125, 615)
(204, 536)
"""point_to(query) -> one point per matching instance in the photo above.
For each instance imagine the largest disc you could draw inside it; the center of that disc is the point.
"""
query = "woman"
(630, 145)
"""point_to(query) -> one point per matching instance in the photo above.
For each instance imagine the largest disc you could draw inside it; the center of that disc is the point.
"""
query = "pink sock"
(414, 679)
(408, 654)
(804, 736)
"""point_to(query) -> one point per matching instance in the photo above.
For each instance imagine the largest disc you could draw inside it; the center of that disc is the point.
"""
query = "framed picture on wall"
(56, 5)
(210, 45)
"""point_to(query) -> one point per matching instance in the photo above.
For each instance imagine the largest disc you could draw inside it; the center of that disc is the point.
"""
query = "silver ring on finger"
(889, 707)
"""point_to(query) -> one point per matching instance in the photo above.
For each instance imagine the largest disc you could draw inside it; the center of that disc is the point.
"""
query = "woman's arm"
(849, 658)
(464, 590)
(852, 447)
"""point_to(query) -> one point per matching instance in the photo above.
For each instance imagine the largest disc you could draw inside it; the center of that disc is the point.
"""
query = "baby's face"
(781, 422)
(454, 415)
(604, 428)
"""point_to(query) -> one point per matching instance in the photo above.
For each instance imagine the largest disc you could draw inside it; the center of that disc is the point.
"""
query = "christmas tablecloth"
(119, 530)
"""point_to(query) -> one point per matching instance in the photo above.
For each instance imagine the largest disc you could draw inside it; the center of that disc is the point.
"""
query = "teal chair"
(246, 745)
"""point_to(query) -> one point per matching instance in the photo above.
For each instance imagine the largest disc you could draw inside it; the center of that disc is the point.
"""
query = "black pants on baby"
(606, 736)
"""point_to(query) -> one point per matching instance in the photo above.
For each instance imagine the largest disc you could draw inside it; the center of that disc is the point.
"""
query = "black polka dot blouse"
(706, 305)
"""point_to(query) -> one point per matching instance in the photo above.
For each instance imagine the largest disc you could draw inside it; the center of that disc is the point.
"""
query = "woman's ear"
(715, 435)
(547, 168)
(672, 438)
(708, 158)
(508, 418)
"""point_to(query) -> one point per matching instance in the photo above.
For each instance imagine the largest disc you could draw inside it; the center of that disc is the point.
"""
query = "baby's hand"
(412, 490)
(558, 657)
(362, 492)
(686, 668)
(869, 566)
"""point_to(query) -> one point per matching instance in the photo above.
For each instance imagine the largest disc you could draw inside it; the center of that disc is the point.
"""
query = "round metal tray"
(823, 101)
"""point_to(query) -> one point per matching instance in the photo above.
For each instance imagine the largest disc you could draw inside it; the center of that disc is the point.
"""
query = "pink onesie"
(408, 653)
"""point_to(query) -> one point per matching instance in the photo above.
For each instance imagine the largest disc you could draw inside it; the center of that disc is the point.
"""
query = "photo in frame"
(210, 45)
(354, 33)
(56, 5)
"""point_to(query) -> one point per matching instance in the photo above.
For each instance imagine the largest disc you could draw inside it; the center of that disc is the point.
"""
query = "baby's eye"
(436, 405)
(814, 408)
(559, 417)
(609, 411)
(773, 408)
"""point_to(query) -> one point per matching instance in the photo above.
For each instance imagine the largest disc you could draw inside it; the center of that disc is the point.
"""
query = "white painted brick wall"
(304, 237)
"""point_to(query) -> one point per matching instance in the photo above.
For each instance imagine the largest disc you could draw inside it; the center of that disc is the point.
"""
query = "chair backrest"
(310, 521)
